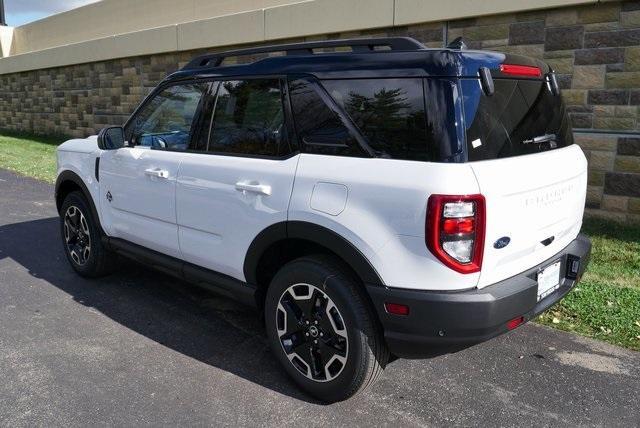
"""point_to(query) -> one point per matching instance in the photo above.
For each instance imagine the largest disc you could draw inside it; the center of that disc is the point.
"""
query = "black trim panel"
(314, 233)
(441, 322)
(205, 278)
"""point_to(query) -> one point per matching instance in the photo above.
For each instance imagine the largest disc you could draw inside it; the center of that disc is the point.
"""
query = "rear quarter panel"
(384, 212)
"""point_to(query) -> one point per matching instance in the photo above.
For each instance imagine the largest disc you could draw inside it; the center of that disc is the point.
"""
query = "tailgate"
(537, 201)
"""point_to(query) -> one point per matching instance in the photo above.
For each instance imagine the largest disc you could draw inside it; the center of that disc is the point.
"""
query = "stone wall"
(595, 49)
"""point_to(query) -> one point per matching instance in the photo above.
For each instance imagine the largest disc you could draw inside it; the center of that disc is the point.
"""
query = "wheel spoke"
(335, 319)
(84, 225)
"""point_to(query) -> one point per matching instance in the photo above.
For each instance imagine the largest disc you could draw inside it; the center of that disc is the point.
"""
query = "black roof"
(385, 57)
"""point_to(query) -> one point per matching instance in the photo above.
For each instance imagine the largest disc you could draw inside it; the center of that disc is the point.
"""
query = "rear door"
(238, 181)
(519, 144)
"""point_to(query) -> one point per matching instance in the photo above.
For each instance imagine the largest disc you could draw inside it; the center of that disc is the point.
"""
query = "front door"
(239, 181)
(138, 183)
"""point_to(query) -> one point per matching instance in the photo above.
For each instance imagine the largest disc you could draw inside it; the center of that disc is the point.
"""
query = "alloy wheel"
(312, 332)
(77, 236)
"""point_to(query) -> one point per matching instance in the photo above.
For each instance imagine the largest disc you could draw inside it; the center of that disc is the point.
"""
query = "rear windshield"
(397, 120)
(522, 117)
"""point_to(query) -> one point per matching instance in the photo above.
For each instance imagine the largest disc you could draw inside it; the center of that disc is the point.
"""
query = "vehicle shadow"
(182, 317)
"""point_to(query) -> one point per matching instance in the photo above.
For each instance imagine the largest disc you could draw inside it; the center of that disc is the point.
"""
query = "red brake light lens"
(455, 230)
(521, 70)
(453, 226)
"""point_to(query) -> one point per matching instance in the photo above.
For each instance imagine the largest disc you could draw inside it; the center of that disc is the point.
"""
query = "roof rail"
(306, 48)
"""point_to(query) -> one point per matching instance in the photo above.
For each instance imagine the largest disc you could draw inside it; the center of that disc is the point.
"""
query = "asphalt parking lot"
(139, 348)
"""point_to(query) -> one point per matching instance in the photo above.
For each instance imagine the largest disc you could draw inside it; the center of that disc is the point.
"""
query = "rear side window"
(509, 122)
(320, 128)
(390, 113)
(249, 119)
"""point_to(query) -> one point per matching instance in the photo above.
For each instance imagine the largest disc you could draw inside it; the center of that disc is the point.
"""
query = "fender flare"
(68, 175)
(314, 233)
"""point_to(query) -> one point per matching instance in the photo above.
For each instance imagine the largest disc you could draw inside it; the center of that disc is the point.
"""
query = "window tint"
(249, 119)
(389, 113)
(320, 129)
(166, 122)
(505, 124)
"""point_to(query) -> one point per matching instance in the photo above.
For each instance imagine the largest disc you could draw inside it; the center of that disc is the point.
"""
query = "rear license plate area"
(549, 280)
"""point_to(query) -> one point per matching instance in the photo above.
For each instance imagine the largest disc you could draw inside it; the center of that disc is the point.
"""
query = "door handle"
(253, 187)
(159, 173)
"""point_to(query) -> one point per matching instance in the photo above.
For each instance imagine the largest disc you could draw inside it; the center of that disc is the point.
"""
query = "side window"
(320, 129)
(166, 121)
(390, 113)
(249, 119)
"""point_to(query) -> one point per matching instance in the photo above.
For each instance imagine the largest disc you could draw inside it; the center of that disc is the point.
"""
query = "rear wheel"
(322, 329)
(82, 238)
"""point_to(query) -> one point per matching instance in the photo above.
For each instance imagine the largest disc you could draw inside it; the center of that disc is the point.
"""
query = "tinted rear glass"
(394, 119)
(321, 129)
(507, 123)
(249, 119)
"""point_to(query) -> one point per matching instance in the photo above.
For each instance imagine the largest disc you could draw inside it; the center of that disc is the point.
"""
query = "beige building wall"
(6, 39)
(189, 24)
(111, 17)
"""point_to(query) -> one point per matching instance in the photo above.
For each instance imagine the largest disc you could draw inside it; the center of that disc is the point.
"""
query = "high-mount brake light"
(455, 230)
(521, 70)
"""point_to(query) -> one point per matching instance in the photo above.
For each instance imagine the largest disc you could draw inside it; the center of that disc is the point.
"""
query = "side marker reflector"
(396, 309)
(514, 323)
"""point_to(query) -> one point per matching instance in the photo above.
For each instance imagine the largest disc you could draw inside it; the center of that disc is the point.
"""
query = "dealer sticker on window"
(548, 280)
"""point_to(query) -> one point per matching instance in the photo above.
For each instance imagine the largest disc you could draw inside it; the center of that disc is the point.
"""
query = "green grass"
(605, 305)
(30, 156)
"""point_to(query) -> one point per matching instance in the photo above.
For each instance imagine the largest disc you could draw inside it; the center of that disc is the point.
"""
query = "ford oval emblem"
(502, 242)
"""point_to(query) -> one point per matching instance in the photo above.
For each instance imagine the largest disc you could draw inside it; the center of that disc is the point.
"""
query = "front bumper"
(441, 322)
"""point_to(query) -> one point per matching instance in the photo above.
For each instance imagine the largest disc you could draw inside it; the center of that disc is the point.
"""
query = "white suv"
(376, 200)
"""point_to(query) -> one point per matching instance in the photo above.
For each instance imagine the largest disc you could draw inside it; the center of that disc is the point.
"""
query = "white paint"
(329, 198)
(530, 199)
(200, 214)
(217, 220)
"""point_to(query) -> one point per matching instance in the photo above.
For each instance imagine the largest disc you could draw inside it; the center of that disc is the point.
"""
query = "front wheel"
(322, 329)
(82, 238)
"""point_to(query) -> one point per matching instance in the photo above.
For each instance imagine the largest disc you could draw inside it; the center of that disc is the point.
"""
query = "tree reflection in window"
(389, 113)
(249, 119)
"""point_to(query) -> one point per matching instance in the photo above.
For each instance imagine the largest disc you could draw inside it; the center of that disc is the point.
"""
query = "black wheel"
(82, 238)
(322, 329)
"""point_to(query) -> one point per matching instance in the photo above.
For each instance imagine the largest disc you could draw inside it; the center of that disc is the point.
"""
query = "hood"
(80, 145)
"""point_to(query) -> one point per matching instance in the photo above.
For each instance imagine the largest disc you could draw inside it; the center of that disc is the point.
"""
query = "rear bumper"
(441, 322)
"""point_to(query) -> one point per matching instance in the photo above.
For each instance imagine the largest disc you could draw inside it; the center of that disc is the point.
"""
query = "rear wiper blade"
(547, 138)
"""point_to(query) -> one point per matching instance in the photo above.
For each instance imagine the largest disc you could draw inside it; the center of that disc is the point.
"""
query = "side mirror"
(111, 138)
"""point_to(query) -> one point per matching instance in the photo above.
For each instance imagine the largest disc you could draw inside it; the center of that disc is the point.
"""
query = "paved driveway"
(138, 348)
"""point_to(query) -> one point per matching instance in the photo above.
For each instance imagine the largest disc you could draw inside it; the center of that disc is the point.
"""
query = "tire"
(334, 347)
(97, 260)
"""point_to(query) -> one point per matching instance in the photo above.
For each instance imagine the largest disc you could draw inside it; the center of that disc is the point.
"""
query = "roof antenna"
(457, 44)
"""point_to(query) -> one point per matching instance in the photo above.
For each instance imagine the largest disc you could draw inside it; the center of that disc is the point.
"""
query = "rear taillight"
(455, 231)
(521, 70)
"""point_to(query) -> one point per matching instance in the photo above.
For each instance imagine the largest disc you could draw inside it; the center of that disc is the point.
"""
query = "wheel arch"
(67, 182)
(281, 242)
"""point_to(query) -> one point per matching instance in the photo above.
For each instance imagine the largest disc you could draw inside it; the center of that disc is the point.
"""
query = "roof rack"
(356, 45)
